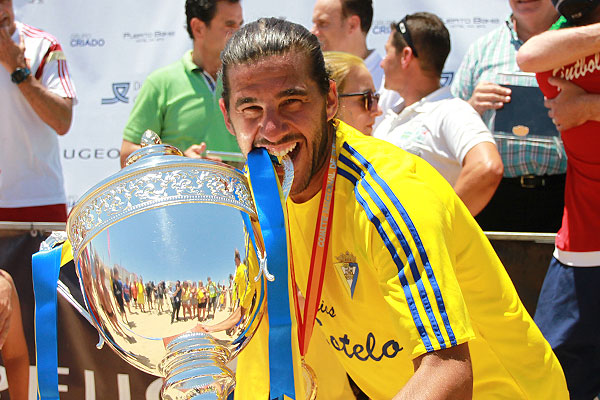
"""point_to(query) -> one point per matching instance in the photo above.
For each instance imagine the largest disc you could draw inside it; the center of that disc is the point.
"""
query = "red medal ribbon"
(318, 260)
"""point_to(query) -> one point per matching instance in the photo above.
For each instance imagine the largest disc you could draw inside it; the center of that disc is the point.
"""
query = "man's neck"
(420, 87)
(316, 181)
(358, 47)
(526, 29)
(210, 65)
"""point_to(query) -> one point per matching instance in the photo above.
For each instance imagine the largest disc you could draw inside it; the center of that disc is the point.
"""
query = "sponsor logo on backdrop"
(475, 22)
(382, 27)
(86, 40)
(120, 90)
(86, 153)
(148, 37)
(446, 78)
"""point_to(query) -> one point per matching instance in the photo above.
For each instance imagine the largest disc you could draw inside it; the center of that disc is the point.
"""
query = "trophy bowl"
(168, 253)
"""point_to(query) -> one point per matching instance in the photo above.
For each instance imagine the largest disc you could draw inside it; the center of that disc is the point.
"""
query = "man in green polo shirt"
(181, 101)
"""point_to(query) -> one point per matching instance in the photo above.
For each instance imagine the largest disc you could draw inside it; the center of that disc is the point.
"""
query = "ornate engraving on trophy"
(160, 187)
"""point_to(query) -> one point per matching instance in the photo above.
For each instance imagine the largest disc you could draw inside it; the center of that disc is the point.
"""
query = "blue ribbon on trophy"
(46, 268)
(268, 201)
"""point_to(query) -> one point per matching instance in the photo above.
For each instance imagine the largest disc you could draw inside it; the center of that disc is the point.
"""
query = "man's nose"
(273, 125)
(376, 110)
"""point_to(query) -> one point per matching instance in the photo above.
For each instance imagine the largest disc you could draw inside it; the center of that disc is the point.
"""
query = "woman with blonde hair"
(356, 91)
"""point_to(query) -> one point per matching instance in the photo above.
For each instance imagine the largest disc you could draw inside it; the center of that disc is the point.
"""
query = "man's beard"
(320, 154)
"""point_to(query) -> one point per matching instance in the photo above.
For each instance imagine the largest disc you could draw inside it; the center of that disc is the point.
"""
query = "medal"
(306, 319)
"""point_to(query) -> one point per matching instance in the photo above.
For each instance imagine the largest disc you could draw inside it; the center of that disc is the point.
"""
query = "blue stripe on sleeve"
(410, 259)
(347, 175)
(346, 161)
(412, 229)
(401, 276)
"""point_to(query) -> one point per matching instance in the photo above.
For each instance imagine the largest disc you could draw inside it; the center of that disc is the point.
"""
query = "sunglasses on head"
(370, 98)
(402, 27)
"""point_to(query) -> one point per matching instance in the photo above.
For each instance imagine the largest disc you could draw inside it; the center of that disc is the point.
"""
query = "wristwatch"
(20, 74)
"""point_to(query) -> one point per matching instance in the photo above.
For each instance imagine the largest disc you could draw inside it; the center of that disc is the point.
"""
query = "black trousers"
(525, 204)
(175, 313)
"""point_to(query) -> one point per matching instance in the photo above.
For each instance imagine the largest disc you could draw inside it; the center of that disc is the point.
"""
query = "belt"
(536, 181)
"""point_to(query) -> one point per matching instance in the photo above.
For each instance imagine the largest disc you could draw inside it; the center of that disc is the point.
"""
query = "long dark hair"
(271, 37)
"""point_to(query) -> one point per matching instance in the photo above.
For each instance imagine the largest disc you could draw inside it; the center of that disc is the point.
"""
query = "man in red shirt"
(567, 62)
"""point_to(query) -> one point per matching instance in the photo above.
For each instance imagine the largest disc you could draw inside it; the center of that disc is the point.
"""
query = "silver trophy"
(168, 252)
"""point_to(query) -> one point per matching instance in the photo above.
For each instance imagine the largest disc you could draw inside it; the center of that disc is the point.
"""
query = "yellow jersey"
(409, 272)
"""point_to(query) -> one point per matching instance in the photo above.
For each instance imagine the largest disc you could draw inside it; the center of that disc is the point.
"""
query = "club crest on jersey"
(347, 269)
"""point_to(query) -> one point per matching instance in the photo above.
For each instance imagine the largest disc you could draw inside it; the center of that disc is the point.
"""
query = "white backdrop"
(112, 45)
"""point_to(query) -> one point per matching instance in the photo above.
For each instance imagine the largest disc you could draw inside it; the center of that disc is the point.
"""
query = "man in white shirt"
(343, 25)
(36, 99)
(444, 131)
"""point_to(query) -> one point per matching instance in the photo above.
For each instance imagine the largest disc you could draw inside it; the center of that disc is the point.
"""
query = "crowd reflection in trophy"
(212, 307)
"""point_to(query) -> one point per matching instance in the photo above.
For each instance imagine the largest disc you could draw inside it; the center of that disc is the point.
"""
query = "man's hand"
(197, 151)
(12, 55)
(572, 107)
(489, 96)
(6, 293)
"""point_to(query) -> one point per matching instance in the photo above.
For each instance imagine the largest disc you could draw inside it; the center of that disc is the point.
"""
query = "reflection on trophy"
(168, 252)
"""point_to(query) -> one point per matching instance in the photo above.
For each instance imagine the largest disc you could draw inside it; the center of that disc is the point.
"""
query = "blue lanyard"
(269, 206)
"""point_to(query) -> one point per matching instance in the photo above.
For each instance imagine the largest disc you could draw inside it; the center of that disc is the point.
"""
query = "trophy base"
(194, 368)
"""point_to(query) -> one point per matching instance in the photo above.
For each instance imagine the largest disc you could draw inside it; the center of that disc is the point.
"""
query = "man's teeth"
(282, 152)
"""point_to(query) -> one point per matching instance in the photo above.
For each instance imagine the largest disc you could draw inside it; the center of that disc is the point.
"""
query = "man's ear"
(226, 116)
(353, 22)
(406, 56)
(198, 27)
(331, 107)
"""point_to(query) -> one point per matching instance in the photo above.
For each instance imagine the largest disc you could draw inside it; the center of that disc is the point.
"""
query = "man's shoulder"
(31, 33)
(495, 34)
(452, 107)
(375, 153)
(166, 73)
(490, 40)
(362, 155)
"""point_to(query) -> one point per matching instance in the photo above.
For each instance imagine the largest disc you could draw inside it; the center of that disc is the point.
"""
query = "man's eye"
(288, 102)
(251, 110)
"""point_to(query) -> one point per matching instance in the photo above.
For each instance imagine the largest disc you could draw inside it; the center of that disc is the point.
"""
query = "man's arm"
(480, 176)
(15, 353)
(572, 106)
(442, 374)
(55, 111)
(52, 109)
(553, 49)
(6, 305)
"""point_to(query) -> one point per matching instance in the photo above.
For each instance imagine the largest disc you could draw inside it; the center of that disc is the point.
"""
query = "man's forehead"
(227, 10)
(286, 70)
(330, 7)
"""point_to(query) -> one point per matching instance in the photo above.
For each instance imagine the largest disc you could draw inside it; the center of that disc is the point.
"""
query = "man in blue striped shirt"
(530, 197)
